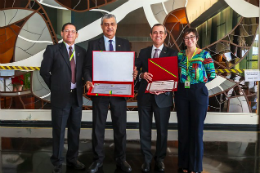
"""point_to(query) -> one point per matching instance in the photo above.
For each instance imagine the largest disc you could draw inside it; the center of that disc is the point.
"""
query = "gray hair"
(158, 24)
(108, 16)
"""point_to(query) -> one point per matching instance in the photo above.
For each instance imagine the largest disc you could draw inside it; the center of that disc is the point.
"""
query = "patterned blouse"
(201, 68)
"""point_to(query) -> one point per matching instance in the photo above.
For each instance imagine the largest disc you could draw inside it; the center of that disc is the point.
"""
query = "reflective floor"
(28, 150)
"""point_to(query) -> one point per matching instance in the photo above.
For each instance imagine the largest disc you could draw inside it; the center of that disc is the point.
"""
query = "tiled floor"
(28, 150)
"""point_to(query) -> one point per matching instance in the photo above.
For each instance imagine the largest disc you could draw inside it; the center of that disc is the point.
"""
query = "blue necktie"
(111, 45)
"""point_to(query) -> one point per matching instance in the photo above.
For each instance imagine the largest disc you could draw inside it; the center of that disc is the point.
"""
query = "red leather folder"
(164, 69)
(100, 74)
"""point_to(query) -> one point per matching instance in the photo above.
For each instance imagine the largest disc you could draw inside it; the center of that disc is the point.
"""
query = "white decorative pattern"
(243, 8)
(52, 4)
(39, 32)
(9, 17)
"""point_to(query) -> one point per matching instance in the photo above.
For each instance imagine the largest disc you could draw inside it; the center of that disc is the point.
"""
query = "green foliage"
(27, 81)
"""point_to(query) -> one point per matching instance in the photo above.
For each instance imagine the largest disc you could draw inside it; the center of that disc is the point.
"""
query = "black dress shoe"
(57, 169)
(159, 166)
(76, 165)
(94, 167)
(146, 167)
(124, 166)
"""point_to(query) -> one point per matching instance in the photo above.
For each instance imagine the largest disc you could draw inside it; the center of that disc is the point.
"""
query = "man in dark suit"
(108, 42)
(62, 71)
(159, 103)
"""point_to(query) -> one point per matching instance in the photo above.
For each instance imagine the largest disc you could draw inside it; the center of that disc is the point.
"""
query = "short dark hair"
(189, 30)
(63, 27)
(158, 24)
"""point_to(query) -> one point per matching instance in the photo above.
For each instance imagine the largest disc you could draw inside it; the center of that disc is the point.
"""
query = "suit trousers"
(191, 105)
(117, 106)
(162, 116)
(70, 116)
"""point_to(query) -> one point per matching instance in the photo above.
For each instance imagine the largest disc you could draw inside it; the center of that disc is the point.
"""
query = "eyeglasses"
(72, 31)
(189, 38)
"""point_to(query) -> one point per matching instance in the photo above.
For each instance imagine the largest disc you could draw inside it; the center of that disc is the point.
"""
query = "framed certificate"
(112, 74)
(168, 85)
(165, 74)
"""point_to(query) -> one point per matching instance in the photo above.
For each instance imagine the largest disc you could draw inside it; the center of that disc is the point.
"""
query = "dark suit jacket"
(162, 100)
(56, 72)
(99, 44)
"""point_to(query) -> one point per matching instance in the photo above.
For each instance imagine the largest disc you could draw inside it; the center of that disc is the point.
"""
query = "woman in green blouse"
(196, 68)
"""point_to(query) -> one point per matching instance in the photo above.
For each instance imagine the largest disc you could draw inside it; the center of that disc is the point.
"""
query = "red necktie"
(72, 66)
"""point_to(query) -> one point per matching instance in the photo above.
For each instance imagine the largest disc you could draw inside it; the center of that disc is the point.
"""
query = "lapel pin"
(119, 45)
(78, 54)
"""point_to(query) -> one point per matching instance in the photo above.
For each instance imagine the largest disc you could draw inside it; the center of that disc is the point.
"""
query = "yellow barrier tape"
(19, 68)
(26, 68)
(162, 68)
(229, 70)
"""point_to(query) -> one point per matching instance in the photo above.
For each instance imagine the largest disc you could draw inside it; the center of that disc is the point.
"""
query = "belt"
(73, 90)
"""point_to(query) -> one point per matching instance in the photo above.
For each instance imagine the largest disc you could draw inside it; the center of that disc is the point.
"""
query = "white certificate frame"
(113, 66)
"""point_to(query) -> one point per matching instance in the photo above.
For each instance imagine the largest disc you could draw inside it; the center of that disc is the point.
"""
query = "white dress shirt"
(106, 40)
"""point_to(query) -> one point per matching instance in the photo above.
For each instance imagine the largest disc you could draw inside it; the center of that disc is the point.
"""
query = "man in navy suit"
(159, 103)
(108, 42)
(61, 70)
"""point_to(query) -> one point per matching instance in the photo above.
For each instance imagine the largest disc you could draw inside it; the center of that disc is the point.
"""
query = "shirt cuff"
(140, 77)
